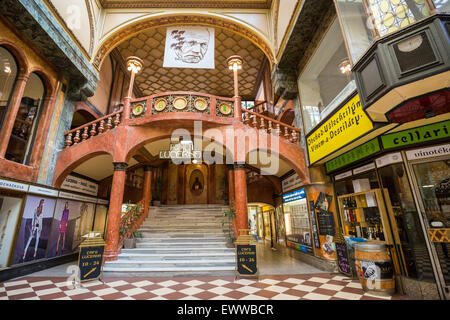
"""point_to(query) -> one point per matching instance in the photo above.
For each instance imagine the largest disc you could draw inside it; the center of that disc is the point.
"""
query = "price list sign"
(90, 260)
(246, 264)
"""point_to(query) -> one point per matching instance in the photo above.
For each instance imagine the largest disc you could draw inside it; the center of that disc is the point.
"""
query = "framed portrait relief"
(189, 47)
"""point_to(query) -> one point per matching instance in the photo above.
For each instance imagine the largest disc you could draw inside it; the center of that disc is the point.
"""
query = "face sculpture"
(190, 46)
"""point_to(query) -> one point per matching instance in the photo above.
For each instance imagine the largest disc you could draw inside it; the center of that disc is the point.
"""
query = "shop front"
(399, 196)
(296, 217)
(39, 223)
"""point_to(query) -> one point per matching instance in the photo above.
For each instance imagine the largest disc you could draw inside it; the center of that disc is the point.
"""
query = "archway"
(115, 37)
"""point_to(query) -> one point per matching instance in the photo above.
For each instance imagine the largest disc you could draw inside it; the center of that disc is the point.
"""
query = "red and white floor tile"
(278, 287)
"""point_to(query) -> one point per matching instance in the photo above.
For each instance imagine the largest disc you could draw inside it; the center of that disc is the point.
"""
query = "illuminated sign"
(347, 124)
(293, 196)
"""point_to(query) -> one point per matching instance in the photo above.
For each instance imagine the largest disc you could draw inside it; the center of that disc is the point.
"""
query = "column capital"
(120, 166)
(239, 166)
(230, 166)
(148, 168)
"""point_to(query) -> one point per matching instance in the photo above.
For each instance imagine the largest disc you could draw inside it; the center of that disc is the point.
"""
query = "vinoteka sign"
(347, 124)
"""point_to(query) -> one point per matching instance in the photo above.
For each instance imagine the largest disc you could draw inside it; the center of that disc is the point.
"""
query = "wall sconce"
(345, 68)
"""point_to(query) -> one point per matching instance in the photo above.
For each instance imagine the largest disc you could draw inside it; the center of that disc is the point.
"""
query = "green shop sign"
(416, 135)
(353, 155)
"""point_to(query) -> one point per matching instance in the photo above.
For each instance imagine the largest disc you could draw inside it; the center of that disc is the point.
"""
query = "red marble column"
(231, 194)
(240, 194)
(115, 210)
(147, 189)
(237, 108)
(11, 112)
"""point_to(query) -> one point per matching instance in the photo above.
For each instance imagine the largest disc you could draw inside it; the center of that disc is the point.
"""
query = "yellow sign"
(349, 123)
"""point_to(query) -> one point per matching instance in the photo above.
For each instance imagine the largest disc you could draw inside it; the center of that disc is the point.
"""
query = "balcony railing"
(186, 102)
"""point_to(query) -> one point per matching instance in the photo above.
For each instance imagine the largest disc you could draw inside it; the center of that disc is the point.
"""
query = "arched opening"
(8, 77)
(27, 121)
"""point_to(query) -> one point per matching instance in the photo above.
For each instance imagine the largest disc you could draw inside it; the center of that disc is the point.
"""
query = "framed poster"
(34, 232)
(9, 215)
(71, 220)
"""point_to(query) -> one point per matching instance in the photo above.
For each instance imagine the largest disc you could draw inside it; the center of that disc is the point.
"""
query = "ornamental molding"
(237, 4)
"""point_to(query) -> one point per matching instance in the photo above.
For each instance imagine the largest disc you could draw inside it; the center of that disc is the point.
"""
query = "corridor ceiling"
(242, 4)
(149, 46)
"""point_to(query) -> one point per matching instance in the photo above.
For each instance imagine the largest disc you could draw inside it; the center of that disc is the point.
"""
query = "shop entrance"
(432, 186)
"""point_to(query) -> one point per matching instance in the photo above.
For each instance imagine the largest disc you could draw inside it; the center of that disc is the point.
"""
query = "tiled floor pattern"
(279, 287)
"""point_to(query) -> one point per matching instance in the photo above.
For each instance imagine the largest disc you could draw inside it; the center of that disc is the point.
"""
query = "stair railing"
(130, 222)
(270, 125)
(98, 126)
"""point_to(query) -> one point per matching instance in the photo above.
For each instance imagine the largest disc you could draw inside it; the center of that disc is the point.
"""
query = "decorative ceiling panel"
(241, 4)
(149, 46)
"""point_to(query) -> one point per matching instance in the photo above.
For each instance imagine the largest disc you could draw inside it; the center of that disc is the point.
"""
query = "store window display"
(27, 120)
(9, 215)
(35, 229)
(410, 239)
(433, 181)
(8, 76)
(298, 228)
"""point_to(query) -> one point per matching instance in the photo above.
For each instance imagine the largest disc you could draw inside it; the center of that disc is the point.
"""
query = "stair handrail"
(130, 222)
(112, 121)
(282, 129)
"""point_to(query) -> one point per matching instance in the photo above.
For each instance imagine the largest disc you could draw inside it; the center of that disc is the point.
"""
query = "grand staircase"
(178, 240)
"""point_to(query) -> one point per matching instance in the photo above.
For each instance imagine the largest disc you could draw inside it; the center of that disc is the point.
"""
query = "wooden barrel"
(374, 268)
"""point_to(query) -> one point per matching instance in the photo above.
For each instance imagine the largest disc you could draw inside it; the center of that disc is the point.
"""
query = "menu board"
(342, 258)
(246, 264)
(325, 219)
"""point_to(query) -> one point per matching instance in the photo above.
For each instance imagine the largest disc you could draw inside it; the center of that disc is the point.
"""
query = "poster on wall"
(35, 229)
(72, 219)
(314, 225)
(189, 47)
(9, 215)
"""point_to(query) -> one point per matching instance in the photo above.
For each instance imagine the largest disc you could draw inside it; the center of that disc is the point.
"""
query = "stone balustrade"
(92, 128)
(270, 125)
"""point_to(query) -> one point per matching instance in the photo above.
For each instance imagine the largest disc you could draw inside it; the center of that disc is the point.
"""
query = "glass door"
(433, 184)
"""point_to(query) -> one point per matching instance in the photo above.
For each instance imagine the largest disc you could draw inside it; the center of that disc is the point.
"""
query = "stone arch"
(289, 154)
(19, 56)
(142, 136)
(114, 38)
(71, 161)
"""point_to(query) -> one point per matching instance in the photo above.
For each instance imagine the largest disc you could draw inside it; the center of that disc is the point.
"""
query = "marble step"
(176, 256)
(171, 233)
(183, 271)
(184, 264)
(189, 245)
(181, 240)
(178, 250)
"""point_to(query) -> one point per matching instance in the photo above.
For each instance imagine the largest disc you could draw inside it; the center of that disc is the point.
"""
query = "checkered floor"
(279, 287)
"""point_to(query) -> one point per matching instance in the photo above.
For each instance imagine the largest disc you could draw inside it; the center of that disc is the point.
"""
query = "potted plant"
(132, 214)
(229, 214)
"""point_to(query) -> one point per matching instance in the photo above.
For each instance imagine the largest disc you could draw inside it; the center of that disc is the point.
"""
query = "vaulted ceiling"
(241, 4)
(149, 46)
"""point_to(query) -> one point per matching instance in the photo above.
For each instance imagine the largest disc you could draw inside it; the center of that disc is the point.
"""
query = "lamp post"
(134, 65)
(235, 63)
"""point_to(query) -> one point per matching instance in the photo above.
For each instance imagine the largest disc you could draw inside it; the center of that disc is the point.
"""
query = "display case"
(363, 215)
